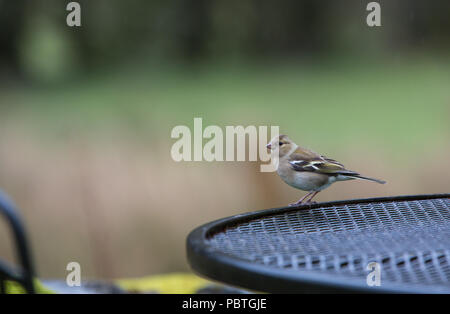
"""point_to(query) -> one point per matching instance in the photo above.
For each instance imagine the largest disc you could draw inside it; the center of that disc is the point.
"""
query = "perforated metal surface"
(409, 238)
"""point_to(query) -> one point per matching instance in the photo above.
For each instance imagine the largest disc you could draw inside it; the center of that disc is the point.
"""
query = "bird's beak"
(269, 146)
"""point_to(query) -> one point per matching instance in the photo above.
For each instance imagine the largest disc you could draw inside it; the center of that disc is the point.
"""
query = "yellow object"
(13, 287)
(168, 283)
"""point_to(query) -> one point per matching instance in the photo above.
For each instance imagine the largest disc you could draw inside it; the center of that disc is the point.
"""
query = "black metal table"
(326, 247)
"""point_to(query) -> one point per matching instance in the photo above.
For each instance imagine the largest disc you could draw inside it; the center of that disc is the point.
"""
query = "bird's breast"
(304, 180)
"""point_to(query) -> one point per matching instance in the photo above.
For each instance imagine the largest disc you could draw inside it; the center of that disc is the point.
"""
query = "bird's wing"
(318, 164)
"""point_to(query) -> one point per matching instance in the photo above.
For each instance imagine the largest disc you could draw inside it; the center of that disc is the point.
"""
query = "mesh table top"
(328, 246)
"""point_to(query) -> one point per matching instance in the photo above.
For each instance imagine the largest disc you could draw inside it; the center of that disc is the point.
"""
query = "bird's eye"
(280, 143)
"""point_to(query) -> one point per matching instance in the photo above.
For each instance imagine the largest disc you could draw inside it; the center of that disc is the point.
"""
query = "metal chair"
(25, 274)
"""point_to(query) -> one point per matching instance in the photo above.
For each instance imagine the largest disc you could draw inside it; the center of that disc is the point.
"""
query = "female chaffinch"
(306, 170)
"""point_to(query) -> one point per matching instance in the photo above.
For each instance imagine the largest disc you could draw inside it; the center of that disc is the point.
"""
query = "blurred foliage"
(37, 42)
(397, 102)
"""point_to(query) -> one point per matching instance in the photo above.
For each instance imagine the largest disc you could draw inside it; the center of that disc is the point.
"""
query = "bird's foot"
(299, 202)
(302, 203)
(308, 201)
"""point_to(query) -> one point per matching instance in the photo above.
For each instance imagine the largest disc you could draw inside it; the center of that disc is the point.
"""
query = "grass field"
(398, 102)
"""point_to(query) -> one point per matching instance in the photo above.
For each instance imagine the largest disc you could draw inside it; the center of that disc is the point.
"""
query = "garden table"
(382, 245)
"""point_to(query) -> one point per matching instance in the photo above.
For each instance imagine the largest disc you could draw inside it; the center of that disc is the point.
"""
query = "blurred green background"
(86, 115)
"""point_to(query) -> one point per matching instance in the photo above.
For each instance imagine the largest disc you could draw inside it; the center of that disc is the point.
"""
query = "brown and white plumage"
(306, 170)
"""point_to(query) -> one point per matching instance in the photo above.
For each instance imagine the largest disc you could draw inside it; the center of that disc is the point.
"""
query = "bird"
(309, 171)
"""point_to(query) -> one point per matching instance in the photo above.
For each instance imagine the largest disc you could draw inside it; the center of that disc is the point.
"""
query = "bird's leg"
(302, 199)
(310, 199)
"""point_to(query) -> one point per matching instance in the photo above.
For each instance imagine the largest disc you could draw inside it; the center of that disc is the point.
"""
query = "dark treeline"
(193, 30)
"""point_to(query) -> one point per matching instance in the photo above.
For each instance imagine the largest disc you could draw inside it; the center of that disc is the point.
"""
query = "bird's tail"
(369, 179)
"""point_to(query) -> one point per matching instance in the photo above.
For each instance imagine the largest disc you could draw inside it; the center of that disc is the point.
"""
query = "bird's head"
(282, 142)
